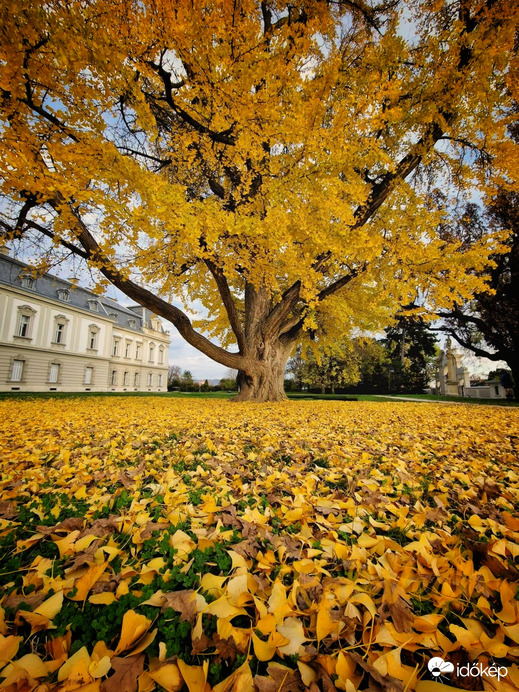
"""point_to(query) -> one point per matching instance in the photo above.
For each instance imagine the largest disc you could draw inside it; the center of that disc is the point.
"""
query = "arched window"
(93, 335)
(25, 322)
(60, 329)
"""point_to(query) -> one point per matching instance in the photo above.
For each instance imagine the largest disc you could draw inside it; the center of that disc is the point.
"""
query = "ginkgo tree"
(273, 161)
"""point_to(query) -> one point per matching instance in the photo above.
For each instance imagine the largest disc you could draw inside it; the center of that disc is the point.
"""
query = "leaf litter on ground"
(202, 545)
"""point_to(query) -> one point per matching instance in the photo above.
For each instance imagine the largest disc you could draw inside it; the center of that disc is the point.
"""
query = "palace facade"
(57, 336)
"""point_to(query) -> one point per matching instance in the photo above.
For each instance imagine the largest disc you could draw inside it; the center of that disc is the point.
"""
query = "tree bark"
(263, 379)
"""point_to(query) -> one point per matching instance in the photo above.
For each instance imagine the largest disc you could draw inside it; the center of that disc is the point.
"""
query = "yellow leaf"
(183, 544)
(223, 609)
(8, 648)
(167, 676)
(144, 642)
(104, 598)
(87, 581)
(51, 607)
(31, 663)
(239, 681)
(292, 629)
(133, 627)
(77, 663)
(308, 674)
(98, 669)
(195, 677)
(263, 650)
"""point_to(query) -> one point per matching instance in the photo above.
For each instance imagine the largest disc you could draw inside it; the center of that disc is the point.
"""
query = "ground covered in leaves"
(151, 543)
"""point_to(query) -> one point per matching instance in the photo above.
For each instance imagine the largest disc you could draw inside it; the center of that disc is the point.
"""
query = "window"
(63, 294)
(54, 372)
(25, 321)
(93, 331)
(60, 329)
(17, 370)
(115, 347)
(93, 305)
(150, 379)
(113, 315)
(113, 378)
(136, 380)
(59, 334)
(125, 378)
(23, 326)
(159, 380)
(89, 371)
(27, 281)
(161, 355)
(131, 323)
(137, 351)
(127, 349)
(152, 353)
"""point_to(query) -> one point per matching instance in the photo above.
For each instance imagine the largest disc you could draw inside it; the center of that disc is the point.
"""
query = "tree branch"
(144, 297)
(163, 162)
(224, 137)
(228, 301)
(475, 349)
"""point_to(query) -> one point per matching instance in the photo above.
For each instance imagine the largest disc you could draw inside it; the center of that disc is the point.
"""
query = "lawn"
(171, 543)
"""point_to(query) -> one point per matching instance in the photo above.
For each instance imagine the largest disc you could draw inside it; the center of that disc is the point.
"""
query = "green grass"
(456, 399)
(68, 395)
(298, 396)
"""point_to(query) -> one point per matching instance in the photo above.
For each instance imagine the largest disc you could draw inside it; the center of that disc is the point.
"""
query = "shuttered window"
(16, 373)
(54, 372)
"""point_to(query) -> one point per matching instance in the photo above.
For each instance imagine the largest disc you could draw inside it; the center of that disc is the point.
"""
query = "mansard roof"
(48, 286)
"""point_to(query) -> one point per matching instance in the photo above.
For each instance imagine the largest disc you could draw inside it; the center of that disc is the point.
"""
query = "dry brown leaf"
(127, 671)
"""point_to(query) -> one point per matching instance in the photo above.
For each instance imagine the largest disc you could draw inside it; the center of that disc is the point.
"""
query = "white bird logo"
(437, 666)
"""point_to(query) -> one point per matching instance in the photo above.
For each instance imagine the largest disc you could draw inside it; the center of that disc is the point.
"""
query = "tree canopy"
(488, 325)
(272, 160)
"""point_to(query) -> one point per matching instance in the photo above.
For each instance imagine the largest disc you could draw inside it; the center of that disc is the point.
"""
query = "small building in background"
(57, 336)
(452, 379)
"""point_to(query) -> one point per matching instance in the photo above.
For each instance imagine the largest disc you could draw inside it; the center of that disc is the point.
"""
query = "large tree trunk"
(264, 379)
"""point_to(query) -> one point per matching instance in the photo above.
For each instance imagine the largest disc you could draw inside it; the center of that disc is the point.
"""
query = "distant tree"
(373, 364)
(325, 368)
(296, 369)
(228, 384)
(488, 325)
(496, 374)
(204, 387)
(186, 381)
(411, 352)
(174, 375)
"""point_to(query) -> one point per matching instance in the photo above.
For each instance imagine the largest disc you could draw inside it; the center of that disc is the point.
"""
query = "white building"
(55, 336)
